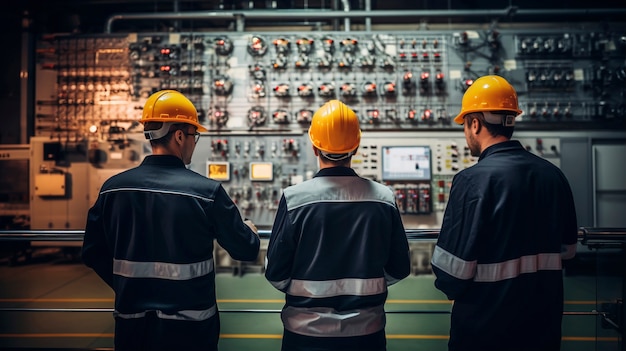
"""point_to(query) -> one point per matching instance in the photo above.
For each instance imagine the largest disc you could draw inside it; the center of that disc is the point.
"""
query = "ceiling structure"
(91, 16)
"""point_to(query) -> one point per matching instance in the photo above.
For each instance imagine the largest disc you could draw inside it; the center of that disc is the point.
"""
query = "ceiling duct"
(240, 17)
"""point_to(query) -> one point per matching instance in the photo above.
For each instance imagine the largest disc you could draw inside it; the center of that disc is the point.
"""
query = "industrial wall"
(257, 88)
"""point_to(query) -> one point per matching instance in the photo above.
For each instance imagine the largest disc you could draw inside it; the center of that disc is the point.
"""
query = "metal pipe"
(41, 235)
(346, 20)
(77, 235)
(584, 234)
(595, 235)
(66, 310)
(334, 6)
(321, 15)
(368, 20)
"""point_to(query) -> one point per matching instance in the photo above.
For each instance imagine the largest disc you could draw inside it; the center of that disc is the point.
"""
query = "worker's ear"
(180, 138)
(476, 126)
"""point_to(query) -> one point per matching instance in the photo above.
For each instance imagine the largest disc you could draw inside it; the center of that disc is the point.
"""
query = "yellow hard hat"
(170, 106)
(488, 93)
(335, 128)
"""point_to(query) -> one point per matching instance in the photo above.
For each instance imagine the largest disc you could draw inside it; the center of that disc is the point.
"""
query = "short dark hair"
(493, 129)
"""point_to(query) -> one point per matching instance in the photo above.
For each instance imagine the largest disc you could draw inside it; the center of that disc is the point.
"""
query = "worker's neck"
(329, 164)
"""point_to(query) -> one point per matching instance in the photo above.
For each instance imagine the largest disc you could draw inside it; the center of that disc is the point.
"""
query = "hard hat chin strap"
(158, 133)
(336, 157)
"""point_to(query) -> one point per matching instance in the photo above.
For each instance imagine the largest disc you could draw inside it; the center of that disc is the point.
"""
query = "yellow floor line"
(58, 335)
(445, 302)
(251, 336)
(58, 300)
(277, 336)
(590, 338)
(252, 301)
(416, 337)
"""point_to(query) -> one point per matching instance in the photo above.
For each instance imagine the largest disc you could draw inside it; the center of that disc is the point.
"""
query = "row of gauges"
(222, 46)
(223, 86)
(258, 116)
(152, 49)
(258, 46)
(329, 89)
(567, 45)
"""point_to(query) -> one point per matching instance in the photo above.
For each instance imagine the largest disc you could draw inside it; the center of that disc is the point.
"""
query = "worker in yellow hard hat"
(150, 237)
(509, 222)
(336, 244)
(169, 116)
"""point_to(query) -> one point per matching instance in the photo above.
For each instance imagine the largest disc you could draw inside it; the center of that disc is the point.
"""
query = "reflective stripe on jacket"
(150, 236)
(498, 255)
(336, 244)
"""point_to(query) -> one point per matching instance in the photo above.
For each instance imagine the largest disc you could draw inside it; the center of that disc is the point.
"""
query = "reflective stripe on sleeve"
(281, 285)
(453, 265)
(338, 287)
(494, 272)
(162, 270)
(186, 315)
(326, 322)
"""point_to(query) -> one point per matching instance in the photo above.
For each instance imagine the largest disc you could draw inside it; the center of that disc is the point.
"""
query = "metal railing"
(591, 237)
(585, 235)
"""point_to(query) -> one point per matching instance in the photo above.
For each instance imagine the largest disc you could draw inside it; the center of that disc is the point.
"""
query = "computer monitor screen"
(406, 163)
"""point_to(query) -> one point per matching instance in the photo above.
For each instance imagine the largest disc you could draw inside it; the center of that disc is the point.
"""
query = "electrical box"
(50, 184)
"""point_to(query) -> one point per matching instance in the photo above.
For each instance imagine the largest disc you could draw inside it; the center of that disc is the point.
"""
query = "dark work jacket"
(336, 244)
(150, 236)
(498, 255)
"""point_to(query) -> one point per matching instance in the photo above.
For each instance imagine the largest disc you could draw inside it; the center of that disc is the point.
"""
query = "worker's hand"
(251, 225)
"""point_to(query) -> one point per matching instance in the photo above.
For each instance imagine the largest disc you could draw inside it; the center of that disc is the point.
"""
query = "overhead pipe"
(241, 16)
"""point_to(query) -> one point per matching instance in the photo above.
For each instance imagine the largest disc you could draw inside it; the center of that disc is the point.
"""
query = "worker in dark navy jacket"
(337, 243)
(509, 222)
(150, 236)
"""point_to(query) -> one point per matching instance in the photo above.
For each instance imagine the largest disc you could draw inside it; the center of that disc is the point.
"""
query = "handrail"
(240, 310)
(77, 235)
(602, 234)
(585, 234)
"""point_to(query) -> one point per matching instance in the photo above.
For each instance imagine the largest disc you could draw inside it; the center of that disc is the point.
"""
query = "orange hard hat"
(489, 93)
(335, 128)
(170, 106)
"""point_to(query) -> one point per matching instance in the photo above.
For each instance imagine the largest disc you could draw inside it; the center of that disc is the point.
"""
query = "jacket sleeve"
(232, 233)
(281, 249)
(454, 259)
(398, 265)
(96, 252)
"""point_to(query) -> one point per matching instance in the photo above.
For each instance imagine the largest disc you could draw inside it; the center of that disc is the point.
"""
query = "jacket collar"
(163, 160)
(336, 171)
(504, 146)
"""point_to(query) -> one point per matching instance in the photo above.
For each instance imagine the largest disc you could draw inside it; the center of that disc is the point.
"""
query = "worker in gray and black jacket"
(337, 243)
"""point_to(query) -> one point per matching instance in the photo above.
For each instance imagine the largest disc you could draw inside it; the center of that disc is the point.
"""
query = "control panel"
(256, 93)
(93, 86)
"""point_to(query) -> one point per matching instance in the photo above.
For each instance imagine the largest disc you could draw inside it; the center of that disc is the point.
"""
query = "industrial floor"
(249, 305)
